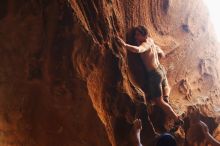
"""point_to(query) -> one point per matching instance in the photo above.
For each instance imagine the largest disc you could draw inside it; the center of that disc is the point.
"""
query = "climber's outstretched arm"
(211, 140)
(136, 49)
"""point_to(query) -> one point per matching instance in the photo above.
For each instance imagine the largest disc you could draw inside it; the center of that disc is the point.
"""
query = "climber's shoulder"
(149, 40)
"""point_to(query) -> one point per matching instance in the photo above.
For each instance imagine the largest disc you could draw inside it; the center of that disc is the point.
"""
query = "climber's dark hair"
(166, 140)
(131, 34)
(142, 29)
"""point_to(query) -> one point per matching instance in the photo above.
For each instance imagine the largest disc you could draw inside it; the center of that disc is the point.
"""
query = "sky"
(214, 12)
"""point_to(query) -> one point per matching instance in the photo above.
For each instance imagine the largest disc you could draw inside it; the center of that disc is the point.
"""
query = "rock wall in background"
(65, 80)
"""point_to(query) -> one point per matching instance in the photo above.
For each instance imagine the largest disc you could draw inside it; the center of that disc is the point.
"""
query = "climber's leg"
(135, 133)
(166, 90)
(165, 85)
(166, 108)
(170, 112)
(156, 81)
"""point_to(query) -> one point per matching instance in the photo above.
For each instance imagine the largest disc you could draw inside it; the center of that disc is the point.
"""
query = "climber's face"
(139, 37)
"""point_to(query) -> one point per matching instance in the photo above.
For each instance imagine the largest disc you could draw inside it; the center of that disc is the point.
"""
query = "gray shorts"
(157, 80)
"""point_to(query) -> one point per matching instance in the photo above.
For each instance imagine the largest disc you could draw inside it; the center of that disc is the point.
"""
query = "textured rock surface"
(65, 81)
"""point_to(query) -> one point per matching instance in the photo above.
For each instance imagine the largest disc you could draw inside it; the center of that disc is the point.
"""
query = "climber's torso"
(150, 57)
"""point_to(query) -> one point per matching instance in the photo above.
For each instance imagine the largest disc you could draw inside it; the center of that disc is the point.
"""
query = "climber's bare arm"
(211, 140)
(136, 49)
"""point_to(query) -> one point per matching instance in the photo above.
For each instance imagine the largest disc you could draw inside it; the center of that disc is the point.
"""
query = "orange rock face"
(65, 80)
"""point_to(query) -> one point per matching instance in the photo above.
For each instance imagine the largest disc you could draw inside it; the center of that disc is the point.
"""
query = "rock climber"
(149, 51)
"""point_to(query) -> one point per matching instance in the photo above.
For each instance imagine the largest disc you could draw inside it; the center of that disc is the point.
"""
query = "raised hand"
(204, 127)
